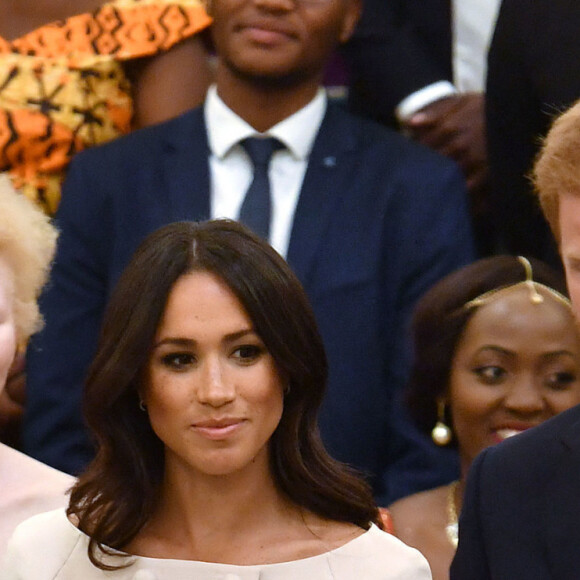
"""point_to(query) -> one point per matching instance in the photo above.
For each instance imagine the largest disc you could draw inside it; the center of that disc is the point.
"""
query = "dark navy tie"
(256, 210)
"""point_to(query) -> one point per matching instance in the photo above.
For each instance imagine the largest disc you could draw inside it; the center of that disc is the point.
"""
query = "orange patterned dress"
(63, 87)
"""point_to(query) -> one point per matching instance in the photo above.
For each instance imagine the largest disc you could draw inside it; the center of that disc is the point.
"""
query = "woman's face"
(7, 325)
(516, 365)
(213, 393)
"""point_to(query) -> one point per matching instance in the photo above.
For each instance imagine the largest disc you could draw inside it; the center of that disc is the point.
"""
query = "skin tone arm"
(170, 83)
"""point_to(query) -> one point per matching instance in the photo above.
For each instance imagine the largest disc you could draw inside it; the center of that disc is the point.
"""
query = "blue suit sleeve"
(389, 58)
(72, 305)
(433, 229)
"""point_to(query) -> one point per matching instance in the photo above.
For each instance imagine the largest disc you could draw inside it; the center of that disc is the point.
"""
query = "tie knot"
(261, 150)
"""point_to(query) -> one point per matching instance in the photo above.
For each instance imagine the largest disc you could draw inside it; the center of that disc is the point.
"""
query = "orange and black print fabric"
(63, 87)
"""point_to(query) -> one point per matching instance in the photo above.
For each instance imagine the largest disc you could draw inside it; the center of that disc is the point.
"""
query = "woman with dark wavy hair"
(497, 351)
(203, 400)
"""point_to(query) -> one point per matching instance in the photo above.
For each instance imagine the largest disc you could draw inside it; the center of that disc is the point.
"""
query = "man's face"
(570, 244)
(280, 41)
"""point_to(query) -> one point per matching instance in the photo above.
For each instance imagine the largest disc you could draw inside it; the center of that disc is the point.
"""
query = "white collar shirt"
(231, 169)
(473, 24)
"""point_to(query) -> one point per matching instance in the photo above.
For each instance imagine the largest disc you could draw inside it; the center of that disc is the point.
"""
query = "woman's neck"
(206, 517)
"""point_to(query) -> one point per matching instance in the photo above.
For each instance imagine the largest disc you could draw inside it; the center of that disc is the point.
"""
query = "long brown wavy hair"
(116, 496)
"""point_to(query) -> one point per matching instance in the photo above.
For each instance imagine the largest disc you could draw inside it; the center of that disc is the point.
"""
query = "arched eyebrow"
(190, 342)
(496, 348)
(558, 353)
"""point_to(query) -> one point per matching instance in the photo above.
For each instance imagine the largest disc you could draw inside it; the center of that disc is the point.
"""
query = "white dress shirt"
(473, 22)
(231, 169)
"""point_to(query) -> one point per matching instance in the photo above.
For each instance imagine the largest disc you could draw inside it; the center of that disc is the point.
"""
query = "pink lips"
(264, 36)
(266, 33)
(217, 430)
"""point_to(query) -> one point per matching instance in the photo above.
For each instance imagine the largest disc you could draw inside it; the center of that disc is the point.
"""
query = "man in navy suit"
(367, 220)
(521, 509)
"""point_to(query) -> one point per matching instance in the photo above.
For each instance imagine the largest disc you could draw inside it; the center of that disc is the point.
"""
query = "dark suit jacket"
(399, 47)
(379, 219)
(522, 507)
(532, 76)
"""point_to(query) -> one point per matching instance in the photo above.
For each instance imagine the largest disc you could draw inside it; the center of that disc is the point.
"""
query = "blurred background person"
(75, 74)
(497, 352)
(27, 243)
(203, 398)
(421, 65)
(532, 77)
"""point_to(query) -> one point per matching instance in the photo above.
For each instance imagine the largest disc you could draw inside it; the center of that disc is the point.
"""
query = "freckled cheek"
(164, 396)
(268, 402)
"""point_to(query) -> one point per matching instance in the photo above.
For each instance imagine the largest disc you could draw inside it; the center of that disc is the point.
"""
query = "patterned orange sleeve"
(387, 520)
(122, 29)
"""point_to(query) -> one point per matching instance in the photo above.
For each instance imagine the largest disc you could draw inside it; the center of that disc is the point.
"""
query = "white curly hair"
(27, 245)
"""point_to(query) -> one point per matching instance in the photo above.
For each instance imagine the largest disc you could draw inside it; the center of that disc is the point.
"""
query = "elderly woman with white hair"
(27, 243)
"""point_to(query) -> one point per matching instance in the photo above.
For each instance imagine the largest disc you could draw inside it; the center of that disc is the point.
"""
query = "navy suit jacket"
(399, 47)
(532, 77)
(378, 221)
(522, 507)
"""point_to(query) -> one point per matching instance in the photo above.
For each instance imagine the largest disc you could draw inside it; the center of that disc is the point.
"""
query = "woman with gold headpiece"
(497, 352)
(74, 74)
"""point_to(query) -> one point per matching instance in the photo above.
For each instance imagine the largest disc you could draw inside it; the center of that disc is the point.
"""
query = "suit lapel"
(562, 508)
(323, 188)
(185, 154)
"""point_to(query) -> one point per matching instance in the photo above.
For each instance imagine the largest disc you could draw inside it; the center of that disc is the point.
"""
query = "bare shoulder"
(418, 513)
(415, 503)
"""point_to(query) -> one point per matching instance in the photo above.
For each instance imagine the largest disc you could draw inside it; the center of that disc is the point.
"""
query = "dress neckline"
(346, 547)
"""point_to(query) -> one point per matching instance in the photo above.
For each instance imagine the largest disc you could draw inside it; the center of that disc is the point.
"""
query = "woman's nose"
(214, 388)
(525, 396)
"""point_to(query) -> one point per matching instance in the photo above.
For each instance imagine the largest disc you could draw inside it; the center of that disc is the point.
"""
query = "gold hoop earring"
(441, 433)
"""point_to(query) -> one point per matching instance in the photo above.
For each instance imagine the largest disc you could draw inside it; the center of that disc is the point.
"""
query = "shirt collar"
(225, 128)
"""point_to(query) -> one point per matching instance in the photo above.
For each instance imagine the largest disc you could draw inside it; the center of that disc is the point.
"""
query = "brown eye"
(560, 380)
(248, 353)
(178, 361)
(490, 374)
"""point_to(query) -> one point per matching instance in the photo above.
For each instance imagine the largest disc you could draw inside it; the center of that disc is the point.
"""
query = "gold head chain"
(535, 296)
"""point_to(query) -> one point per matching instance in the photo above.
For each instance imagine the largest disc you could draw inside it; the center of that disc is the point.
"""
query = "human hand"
(455, 126)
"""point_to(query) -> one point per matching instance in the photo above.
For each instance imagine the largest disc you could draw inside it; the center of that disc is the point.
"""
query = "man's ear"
(352, 15)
